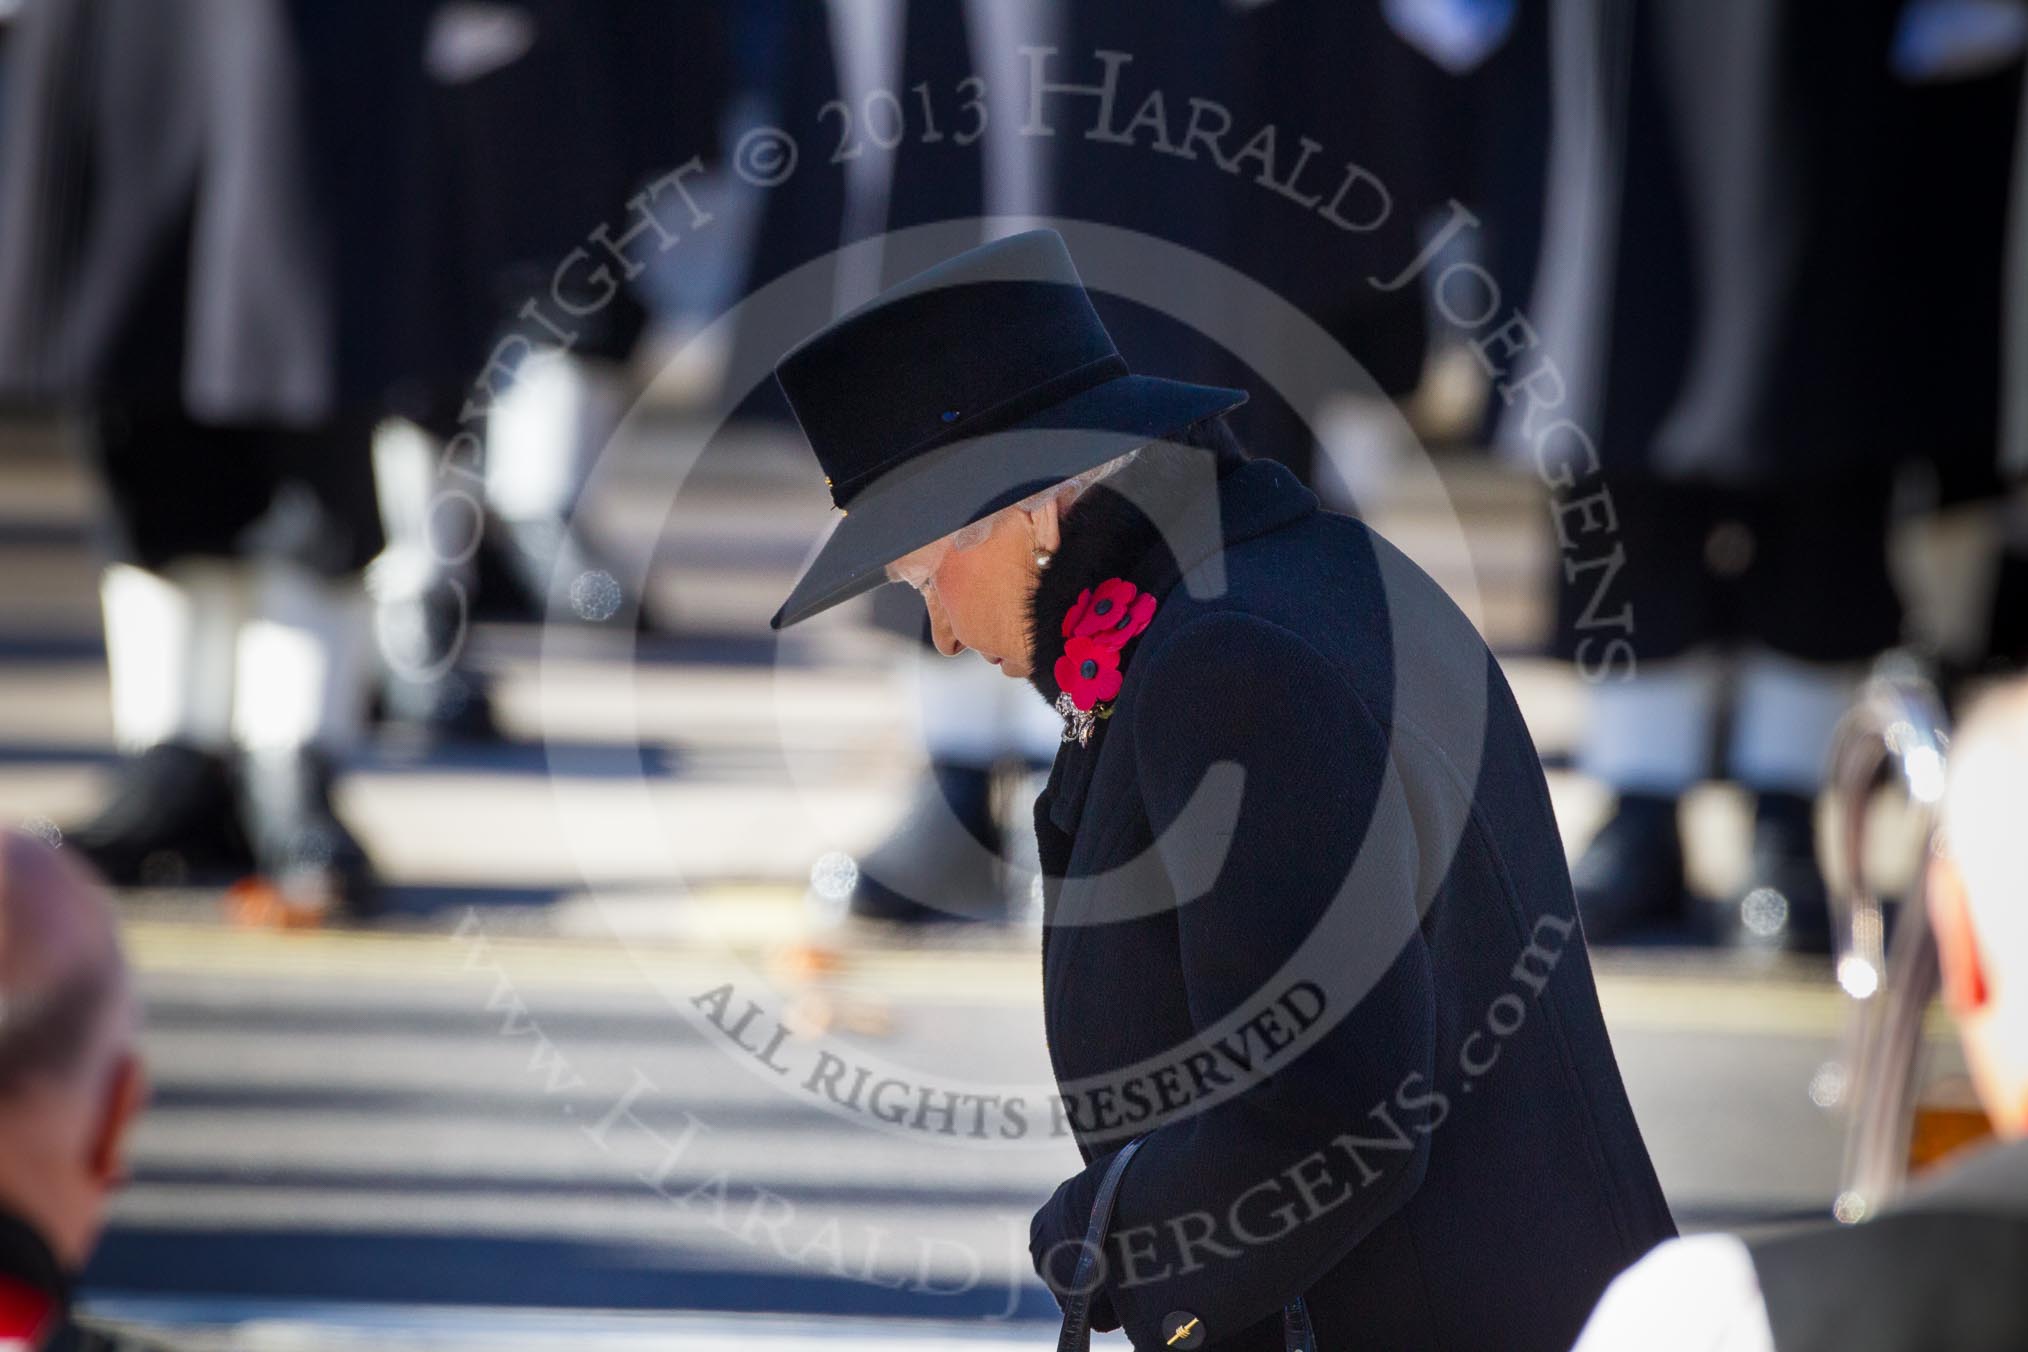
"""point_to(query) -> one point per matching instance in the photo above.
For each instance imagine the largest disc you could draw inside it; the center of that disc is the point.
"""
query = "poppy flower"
(1113, 613)
(1073, 617)
(1088, 671)
(1139, 612)
(1099, 608)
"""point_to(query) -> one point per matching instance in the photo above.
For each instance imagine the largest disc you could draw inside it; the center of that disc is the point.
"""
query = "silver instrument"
(1898, 723)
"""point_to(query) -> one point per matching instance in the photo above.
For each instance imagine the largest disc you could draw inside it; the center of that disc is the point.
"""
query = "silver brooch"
(1078, 723)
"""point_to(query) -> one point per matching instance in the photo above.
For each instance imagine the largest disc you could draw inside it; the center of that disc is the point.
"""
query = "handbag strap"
(1297, 1335)
(1076, 1335)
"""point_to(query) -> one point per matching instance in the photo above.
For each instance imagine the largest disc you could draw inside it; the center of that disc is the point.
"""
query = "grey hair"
(1063, 494)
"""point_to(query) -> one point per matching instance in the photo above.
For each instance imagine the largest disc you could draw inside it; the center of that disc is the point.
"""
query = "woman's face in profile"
(978, 595)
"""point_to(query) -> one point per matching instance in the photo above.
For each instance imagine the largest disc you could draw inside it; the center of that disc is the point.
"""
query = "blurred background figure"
(180, 263)
(949, 855)
(1760, 344)
(71, 1084)
(1941, 1267)
(269, 250)
(517, 350)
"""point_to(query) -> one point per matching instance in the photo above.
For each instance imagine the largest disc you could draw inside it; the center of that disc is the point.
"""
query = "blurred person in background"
(944, 857)
(2007, 632)
(194, 228)
(533, 176)
(1955, 108)
(1490, 123)
(1942, 1267)
(71, 1084)
(1751, 326)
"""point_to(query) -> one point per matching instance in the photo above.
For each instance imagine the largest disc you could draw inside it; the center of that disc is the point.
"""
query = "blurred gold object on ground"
(256, 903)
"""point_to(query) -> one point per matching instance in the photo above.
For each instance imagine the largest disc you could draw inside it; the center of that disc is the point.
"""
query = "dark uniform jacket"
(271, 211)
(34, 1298)
(1309, 929)
(1768, 261)
(35, 1304)
(1943, 1268)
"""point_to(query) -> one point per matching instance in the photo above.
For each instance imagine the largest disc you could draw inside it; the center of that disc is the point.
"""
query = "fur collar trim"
(1110, 531)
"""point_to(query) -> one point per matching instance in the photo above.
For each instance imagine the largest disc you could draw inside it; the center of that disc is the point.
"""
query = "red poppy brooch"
(1094, 630)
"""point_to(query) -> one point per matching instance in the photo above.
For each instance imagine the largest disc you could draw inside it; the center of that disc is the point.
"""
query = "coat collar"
(1158, 524)
(1107, 535)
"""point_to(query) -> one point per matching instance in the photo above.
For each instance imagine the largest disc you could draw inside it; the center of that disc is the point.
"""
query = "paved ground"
(478, 1123)
(351, 1127)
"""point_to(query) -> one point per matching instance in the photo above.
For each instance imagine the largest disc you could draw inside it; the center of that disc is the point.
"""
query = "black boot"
(315, 865)
(418, 637)
(170, 820)
(942, 862)
(1784, 903)
(1629, 881)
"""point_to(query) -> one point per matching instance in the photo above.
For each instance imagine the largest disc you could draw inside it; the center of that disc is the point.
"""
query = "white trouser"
(1653, 733)
(215, 654)
(545, 431)
(1784, 713)
(412, 485)
(301, 669)
(171, 642)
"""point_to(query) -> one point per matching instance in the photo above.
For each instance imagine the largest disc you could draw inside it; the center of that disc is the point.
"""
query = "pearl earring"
(1042, 559)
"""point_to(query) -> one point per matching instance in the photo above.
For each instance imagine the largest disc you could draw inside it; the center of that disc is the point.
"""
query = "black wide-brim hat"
(959, 392)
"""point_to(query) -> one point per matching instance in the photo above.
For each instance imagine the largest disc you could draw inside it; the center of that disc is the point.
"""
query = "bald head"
(1982, 817)
(71, 1081)
(61, 975)
(1978, 901)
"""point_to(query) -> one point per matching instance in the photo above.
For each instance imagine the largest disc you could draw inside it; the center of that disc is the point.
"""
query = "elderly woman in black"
(1317, 1002)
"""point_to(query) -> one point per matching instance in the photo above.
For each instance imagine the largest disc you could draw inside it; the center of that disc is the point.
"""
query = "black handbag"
(1297, 1335)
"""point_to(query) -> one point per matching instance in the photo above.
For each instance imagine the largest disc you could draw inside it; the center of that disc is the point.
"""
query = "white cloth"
(1458, 35)
(546, 431)
(408, 483)
(1938, 41)
(301, 671)
(469, 39)
(170, 640)
(1699, 1294)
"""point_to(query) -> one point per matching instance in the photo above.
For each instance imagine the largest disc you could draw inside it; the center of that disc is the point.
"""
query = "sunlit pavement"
(396, 1139)
(252, 1326)
(392, 1136)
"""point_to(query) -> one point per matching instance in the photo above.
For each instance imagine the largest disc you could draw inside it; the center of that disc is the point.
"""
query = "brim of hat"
(951, 486)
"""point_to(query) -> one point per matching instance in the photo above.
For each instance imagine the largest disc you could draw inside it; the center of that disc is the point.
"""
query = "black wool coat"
(1308, 929)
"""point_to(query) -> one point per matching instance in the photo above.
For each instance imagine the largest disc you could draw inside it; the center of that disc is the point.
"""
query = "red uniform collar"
(34, 1293)
(27, 1314)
